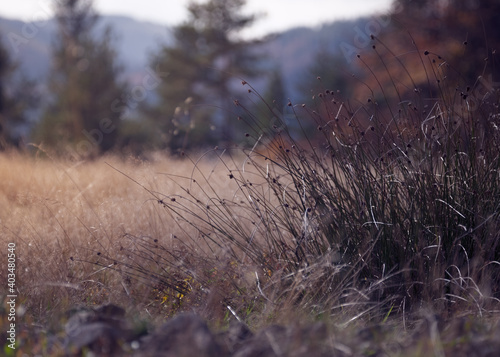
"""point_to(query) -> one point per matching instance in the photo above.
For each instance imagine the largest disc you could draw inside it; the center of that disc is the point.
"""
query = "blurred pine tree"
(18, 96)
(84, 84)
(464, 31)
(195, 106)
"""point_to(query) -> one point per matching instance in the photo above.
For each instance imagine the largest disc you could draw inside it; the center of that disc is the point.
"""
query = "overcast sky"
(280, 14)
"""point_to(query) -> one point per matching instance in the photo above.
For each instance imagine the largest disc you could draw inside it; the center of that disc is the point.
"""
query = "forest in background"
(86, 107)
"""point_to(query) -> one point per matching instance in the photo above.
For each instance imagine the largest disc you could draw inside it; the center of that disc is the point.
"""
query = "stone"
(185, 335)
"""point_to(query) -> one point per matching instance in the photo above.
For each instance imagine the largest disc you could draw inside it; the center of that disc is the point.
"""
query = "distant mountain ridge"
(293, 50)
(135, 40)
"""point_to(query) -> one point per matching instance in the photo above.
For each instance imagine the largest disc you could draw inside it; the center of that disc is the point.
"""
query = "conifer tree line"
(191, 106)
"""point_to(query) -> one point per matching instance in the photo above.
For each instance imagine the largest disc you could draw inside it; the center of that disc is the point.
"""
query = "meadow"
(382, 223)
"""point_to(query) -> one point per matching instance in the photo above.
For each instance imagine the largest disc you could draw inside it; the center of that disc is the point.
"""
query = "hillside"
(134, 41)
(293, 51)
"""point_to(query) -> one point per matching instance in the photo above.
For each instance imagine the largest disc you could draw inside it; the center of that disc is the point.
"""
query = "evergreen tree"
(17, 98)
(457, 30)
(458, 38)
(327, 72)
(6, 69)
(275, 94)
(84, 85)
(195, 101)
(271, 113)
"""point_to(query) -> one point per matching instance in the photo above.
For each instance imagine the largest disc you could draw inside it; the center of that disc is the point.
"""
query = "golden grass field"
(70, 221)
(56, 211)
(83, 229)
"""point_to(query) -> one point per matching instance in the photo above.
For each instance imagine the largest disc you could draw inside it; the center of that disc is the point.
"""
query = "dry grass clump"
(389, 207)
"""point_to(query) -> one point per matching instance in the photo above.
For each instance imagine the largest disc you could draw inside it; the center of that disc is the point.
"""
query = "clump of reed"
(376, 209)
(389, 205)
